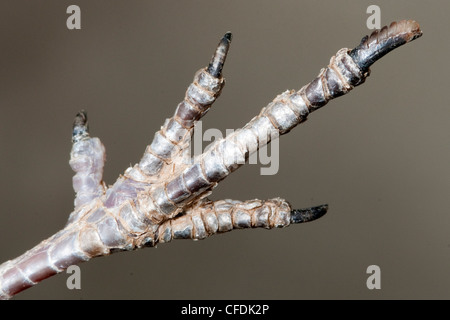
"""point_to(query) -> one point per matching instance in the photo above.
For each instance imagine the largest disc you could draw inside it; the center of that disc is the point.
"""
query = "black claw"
(308, 214)
(216, 65)
(381, 42)
(80, 126)
(228, 36)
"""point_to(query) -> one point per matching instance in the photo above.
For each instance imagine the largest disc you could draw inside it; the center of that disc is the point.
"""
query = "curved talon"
(216, 65)
(80, 127)
(381, 42)
(308, 214)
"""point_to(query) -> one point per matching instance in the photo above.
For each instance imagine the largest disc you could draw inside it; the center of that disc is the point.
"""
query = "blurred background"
(378, 156)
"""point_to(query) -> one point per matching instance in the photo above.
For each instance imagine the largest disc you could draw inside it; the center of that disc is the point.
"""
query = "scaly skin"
(163, 197)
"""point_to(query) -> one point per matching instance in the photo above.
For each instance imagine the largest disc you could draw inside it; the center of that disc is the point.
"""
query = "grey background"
(379, 156)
